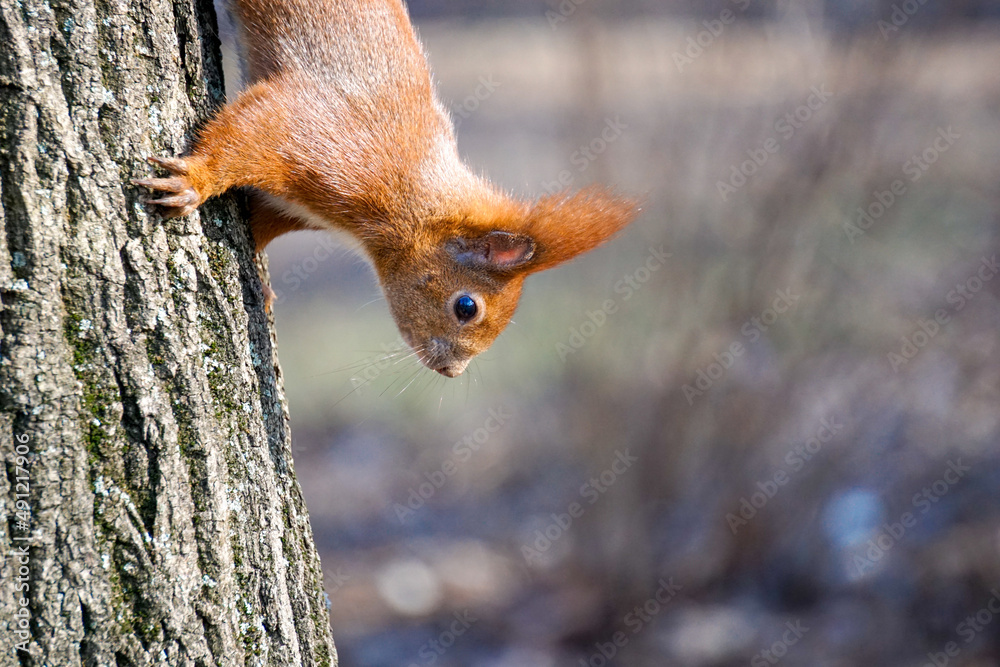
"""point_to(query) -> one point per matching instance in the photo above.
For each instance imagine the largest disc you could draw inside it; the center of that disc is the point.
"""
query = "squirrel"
(340, 129)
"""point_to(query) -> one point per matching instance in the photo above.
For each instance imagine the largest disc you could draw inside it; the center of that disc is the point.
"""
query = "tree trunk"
(152, 516)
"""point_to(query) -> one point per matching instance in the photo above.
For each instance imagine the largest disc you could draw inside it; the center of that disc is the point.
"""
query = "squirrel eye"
(465, 308)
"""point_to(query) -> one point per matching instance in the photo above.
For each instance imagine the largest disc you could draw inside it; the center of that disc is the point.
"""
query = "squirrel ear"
(564, 225)
(494, 251)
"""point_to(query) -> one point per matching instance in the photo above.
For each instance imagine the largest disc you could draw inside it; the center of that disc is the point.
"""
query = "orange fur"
(340, 129)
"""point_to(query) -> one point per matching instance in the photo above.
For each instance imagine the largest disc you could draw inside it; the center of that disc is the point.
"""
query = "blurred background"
(761, 426)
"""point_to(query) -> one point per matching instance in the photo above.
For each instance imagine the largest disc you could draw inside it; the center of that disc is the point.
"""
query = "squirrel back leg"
(268, 223)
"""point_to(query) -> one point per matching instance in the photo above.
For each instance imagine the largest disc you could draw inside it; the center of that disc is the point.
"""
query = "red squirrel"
(340, 129)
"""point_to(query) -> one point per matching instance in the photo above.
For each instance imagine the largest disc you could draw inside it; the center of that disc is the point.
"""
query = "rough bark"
(162, 523)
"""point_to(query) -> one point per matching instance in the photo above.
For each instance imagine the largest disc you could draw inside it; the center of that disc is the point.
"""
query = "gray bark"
(162, 523)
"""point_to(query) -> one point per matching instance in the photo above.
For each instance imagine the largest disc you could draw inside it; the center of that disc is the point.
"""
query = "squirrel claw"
(173, 207)
(182, 199)
(174, 165)
(269, 296)
(163, 184)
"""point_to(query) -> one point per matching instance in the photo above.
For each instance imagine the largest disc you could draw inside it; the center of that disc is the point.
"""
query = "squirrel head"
(454, 286)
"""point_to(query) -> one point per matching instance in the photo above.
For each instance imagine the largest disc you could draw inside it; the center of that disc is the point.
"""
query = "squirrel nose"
(454, 369)
(441, 352)
(449, 371)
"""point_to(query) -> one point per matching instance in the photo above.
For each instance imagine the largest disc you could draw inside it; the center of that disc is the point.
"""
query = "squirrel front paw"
(182, 198)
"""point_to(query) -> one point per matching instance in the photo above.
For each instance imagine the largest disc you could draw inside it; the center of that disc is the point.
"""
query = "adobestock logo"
(586, 154)
(292, 279)
(959, 298)
(373, 367)
(563, 11)
(968, 630)
(433, 649)
(560, 522)
(461, 452)
(487, 86)
(636, 620)
(772, 655)
(786, 126)
(795, 461)
(890, 533)
(784, 301)
(913, 170)
(631, 283)
(918, 340)
(696, 45)
(900, 16)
